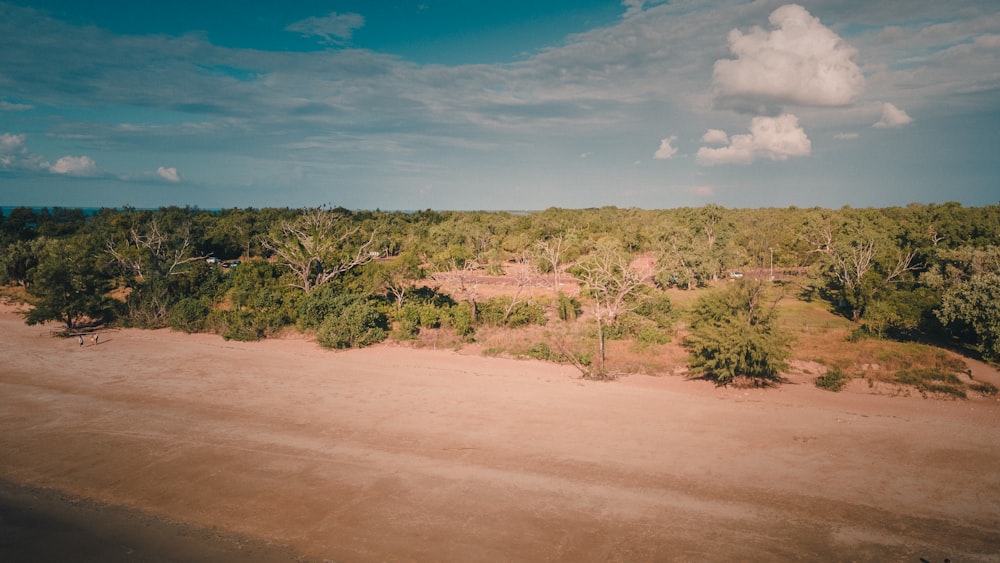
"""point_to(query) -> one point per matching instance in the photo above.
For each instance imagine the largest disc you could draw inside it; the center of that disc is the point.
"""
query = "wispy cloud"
(355, 111)
(9, 106)
(335, 28)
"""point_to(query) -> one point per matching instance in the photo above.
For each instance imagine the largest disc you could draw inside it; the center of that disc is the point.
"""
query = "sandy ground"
(188, 447)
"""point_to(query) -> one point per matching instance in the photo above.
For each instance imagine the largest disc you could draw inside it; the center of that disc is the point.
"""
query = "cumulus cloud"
(10, 147)
(10, 143)
(715, 137)
(168, 174)
(773, 138)
(75, 166)
(666, 150)
(335, 28)
(892, 117)
(14, 154)
(800, 61)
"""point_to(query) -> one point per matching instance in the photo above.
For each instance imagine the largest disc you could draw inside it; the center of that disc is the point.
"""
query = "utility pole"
(772, 262)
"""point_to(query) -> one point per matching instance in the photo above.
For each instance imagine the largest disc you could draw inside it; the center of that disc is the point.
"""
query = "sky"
(512, 105)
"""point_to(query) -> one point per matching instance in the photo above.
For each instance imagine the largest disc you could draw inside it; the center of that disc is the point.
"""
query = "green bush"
(568, 308)
(189, 315)
(932, 380)
(236, 325)
(541, 351)
(983, 387)
(657, 307)
(491, 312)
(460, 319)
(733, 335)
(833, 380)
(357, 325)
(649, 334)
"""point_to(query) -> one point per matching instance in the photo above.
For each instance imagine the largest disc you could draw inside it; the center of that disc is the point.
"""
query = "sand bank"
(390, 453)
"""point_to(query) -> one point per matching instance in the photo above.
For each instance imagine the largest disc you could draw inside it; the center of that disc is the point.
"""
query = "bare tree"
(609, 277)
(147, 250)
(551, 250)
(850, 262)
(319, 246)
(523, 277)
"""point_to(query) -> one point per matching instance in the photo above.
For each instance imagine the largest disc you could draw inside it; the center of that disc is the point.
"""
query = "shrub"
(932, 380)
(460, 319)
(491, 312)
(357, 325)
(568, 308)
(315, 306)
(734, 336)
(833, 380)
(657, 307)
(235, 325)
(983, 387)
(649, 334)
(189, 315)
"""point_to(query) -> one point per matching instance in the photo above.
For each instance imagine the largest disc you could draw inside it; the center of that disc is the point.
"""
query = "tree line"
(927, 272)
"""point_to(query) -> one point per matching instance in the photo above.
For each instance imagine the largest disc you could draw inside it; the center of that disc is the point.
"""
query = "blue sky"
(499, 105)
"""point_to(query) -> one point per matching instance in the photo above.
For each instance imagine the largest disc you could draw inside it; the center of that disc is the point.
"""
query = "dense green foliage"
(733, 335)
(67, 284)
(921, 272)
(973, 307)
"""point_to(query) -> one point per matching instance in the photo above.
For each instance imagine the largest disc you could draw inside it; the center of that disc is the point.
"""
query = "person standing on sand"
(81, 339)
(95, 339)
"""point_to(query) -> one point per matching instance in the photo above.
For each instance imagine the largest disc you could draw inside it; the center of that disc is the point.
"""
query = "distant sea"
(88, 211)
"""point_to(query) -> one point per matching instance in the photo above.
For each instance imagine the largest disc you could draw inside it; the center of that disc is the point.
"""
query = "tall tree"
(974, 306)
(320, 245)
(68, 285)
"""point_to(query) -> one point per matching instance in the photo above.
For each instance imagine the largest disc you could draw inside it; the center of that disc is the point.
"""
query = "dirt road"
(396, 454)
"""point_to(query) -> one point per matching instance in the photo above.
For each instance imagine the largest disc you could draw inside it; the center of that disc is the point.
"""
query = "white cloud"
(168, 174)
(704, 191)
(800, 62)
(10, 147)
(715, 137)
(666, 149)
(14, 154)
(10, 143)
(846, 136)
(633, 7)
(75, 166)
(892, 117)
(774, 138)
(8, 106)
(335, 28)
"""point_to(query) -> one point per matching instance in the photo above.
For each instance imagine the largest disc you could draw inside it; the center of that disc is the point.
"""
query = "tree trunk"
(600, 346)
